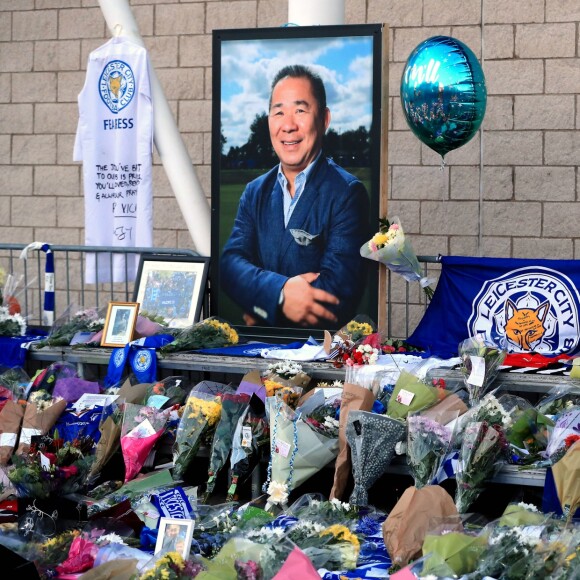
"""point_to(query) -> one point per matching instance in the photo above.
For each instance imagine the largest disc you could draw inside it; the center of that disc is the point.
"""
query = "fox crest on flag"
(518, 305)
(115, 142)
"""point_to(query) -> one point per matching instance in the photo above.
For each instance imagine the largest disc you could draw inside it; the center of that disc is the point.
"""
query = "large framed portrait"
(349, 62)
(174, 536)
(172, 287)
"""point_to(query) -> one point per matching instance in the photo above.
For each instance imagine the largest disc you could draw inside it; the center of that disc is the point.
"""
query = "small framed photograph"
(172, 287)
(174, 536)
(120, 323)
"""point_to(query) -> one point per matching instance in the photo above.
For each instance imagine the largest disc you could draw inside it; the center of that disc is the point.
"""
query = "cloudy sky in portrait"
(248, 66)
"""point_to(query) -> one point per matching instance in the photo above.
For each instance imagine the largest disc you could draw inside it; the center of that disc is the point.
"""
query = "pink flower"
(394, 227)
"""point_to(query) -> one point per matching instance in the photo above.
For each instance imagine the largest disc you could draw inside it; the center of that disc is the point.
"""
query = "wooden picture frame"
(120, 324)
(172, 287)
(244, 63)
(174, 536)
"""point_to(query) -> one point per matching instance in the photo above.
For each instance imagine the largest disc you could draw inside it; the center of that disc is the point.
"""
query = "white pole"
(315, 12)
(170, 146)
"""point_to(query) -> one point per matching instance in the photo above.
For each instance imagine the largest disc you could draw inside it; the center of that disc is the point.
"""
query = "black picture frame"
(172, 286)
(229, 177)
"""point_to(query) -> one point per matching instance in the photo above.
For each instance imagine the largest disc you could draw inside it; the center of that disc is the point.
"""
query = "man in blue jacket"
(293, 255)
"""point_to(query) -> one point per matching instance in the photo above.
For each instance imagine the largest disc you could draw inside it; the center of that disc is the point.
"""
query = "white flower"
(278, 492)
(338, 384)
(111, 538)
(528, 506)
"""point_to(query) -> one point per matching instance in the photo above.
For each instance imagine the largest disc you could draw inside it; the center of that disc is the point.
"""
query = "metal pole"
(170, 146)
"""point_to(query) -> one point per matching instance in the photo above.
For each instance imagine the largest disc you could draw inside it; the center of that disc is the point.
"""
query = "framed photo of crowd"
(349, 61)
(172, 287)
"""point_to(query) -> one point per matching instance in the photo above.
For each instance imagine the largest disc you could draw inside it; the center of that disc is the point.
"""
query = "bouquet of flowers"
(560, 399)
(166, 393)
(411, 394)
(427, 445)
(478, 460)
(200, 414)
(508, 554)
(296, 451)
(65, 327)
(142, 427)
(480, 365)
(52, 467)
(289, 371)
(529, 435)
(8, 295)
(172, 566)
(250, 439)
(372, 439)
(209, 333)
(233, 407)
(323, 418)
(391, 247)
(11, 324)
(565, 432)
(361, 354)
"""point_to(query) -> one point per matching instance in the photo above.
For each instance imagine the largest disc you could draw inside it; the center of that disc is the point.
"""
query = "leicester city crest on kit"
(142, 360)
(119, 357)
(528, 309)
(117, 85)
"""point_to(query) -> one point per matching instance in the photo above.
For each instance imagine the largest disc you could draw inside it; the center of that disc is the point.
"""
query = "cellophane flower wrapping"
(480, 364)
(296, 451)
(74, 320)
(201, 413)
(479, 459)
(11, 324)
(391, 247)
(564, 433)
(412, 394)
(428, 442)
(233, 407)
(209, 333)
(142, 427)
(249, 444)
(560, 399)
(168, 392)
(13, 385)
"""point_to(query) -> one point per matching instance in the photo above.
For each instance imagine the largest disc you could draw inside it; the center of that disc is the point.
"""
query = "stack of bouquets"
(233, 407)
(200, 415)
(51, 467)
(209, 333)
(287, 372)
(481, 360)
(142, 427)
(296, 451)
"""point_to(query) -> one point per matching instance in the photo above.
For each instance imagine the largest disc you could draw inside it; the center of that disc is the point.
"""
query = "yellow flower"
(380, 239)
(271, 387)
(210, 410)
(230, 334)
(341, 533)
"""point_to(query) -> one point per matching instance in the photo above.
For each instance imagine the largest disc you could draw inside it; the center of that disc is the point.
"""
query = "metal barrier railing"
(406, 303)
(69, 274)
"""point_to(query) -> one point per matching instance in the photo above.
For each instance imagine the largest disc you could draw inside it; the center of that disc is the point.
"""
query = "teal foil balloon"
(443, 93)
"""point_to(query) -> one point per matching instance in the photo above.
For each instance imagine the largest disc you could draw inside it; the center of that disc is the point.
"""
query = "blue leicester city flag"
(518, 305)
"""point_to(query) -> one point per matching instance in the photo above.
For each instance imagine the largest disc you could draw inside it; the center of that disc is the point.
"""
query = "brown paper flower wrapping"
(446, 410)
(37, 422)
(406, 527)
(110, 429)
(10, 420)
(354, 398)
(566, 474)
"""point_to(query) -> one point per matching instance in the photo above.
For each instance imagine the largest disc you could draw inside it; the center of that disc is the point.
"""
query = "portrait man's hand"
(302, 302)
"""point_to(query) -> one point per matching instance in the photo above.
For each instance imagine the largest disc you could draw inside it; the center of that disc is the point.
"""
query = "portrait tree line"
(348, 149)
